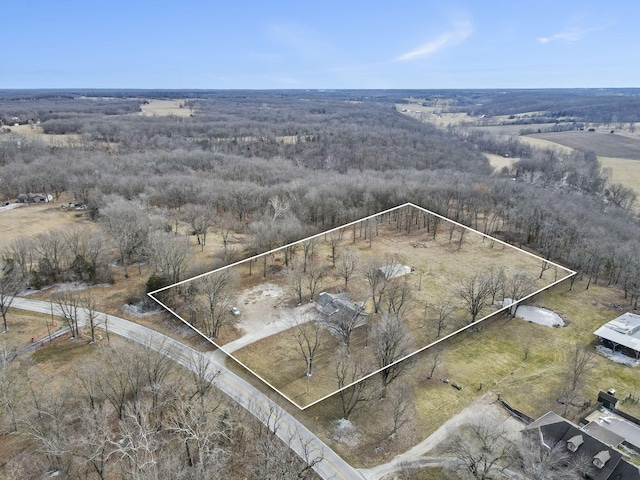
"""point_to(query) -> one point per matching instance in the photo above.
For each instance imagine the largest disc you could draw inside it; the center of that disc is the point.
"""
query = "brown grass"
(623, 170)
(440, 268)
(31, 220)
(604, 144)
(157, 108)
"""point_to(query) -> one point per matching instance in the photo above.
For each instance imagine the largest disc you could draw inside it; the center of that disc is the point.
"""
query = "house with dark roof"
(593, 446)
(329, 304)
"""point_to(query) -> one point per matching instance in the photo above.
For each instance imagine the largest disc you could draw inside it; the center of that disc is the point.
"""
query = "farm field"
(440, 267)
(608, 145)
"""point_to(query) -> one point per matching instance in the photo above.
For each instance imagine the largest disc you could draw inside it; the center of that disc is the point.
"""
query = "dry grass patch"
(31, 220)
(623, 170)
(157, 107)
(440, 266)
(605, 144)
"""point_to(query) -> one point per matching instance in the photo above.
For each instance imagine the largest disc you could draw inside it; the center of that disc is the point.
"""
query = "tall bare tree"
(475, 292)
(347, 263)
(390, 341)
(216, 289)
(11, 282)
(308, 337)
(349, 370)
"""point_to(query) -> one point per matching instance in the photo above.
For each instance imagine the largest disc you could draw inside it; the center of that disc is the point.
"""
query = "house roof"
(623, 330)
(554, 430)
(329, 304)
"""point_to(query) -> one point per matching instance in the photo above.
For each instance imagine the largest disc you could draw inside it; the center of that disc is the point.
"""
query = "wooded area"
(260, 170)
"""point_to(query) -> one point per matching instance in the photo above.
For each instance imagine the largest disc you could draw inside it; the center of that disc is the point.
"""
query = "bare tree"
(548, 462)
(68, 306)
(11, 282)
(578, 364)
(20, 253)
(333, 240)
(170, 256)
(480, 450)
(90, 305)
(53, 255)
(396, 295)
(444, 311)
(127, 223)
(377, 283)
(296, 276)
(400, 400)
(348, 371)
(496, 282)
(307, 336)
(11, 387)
(435, 360)
(390, 342)
(216, 290)
(519, 286)
(345, 321)
(315, 274)
(200, 218)
(347, 262)
(475, 293)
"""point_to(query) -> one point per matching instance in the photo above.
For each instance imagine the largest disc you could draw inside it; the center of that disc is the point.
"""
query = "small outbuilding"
(622, 333)
(394, 270)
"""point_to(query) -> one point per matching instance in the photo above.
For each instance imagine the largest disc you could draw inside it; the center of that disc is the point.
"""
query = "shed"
(394, 270)
(623, 331)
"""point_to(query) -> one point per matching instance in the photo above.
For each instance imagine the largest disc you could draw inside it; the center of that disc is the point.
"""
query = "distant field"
(609, 145)
(35, 131)
(512, 129)
(623, 170)
(165, 107)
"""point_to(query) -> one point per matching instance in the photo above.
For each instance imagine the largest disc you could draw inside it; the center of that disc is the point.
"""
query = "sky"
(325, 44)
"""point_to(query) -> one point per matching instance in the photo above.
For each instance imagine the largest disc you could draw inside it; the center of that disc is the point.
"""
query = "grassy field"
(158, 108)
(623, 170)
(440, 266)
(30, 220)
(603, 144)
(493, 359)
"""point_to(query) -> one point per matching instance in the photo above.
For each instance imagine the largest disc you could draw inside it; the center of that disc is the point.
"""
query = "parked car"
(235, 311)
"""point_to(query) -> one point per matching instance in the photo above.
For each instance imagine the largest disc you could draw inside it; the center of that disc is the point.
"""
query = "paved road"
(291, 431)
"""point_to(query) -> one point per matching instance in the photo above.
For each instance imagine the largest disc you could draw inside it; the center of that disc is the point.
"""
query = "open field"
(157, 108)
(55, 140)
(603, 144)
(440, 266)
(493, 359)
(498, 162)
(623, 170)
(30, 220)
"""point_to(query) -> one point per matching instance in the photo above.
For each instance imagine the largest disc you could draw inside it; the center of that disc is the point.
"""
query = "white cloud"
(570, 35)
(450, 39)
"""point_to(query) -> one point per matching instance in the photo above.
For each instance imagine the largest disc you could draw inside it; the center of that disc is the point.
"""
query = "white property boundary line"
(570, 274)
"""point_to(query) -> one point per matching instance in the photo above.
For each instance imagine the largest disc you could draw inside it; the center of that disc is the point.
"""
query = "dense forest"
(336, 156)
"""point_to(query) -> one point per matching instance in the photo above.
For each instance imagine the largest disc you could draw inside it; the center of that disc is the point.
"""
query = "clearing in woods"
(443, 257)
(159, 108)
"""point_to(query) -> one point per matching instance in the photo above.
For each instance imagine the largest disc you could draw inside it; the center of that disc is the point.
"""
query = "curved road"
(328, 464)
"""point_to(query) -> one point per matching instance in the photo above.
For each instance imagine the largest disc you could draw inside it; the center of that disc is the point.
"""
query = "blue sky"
(322, 44)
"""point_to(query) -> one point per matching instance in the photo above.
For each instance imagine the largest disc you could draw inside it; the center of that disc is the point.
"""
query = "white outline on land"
(440, 340)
